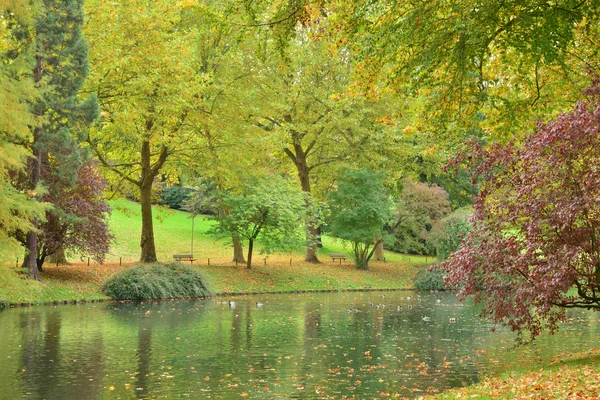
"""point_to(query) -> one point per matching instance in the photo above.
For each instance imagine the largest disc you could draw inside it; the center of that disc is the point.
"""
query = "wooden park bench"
(338, 256)
(184, 257)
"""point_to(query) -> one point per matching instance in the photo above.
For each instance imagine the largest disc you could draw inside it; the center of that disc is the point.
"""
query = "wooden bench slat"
(187, 257)
(338, 256)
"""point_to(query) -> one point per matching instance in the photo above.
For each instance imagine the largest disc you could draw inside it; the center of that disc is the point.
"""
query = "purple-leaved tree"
(535, 246)
(78, 222)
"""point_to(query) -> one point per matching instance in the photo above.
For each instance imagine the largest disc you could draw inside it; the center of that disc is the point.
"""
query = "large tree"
(149, 83)
(534, 250)
(300, 101)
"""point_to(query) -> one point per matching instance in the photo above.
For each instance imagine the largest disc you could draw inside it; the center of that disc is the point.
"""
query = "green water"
(293, 346)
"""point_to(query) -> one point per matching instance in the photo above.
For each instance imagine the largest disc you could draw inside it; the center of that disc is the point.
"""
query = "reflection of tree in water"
(312, 331)
(31, 332)
(45, 366)
(149, 318)
(144, 356)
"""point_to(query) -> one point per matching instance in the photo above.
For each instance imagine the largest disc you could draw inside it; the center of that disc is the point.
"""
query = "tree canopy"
(359, 209)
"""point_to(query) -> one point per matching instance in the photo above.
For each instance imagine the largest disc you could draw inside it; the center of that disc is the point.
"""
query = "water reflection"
(301, 346)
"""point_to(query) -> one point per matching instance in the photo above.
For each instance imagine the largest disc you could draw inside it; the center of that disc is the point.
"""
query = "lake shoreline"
(222, 294)
(77, 283)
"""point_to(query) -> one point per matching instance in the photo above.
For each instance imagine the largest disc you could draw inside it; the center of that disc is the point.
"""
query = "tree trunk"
(379, 254)
(59, 256)
(35, 166)
(35, 163)
(238, 250)
(311, 228)
(147, 240)
(319, 240)
(250, 246)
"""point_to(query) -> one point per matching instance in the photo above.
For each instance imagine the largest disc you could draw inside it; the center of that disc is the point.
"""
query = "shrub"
(427, 279)
(175, 196)
(450, 232)
(156, 281)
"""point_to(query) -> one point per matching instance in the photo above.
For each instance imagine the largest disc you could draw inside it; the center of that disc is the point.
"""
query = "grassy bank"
(570, 376)
(80, 282)
(271, 273)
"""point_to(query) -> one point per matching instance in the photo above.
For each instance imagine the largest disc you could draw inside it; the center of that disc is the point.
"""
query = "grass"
(172, 231)
(272, 273)
(569, 376)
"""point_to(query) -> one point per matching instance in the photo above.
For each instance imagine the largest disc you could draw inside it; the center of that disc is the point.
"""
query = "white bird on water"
(258, 304)
(232, 304)
(426, 319)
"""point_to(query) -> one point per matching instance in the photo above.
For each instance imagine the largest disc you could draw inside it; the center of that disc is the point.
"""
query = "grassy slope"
(172, 233)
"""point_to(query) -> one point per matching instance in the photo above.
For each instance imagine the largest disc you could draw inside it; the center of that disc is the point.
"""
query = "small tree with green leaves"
(269, 209)
(359, 208)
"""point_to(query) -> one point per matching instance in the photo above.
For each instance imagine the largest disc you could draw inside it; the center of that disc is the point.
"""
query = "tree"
(61, 66)
(300, 103)
(80, 224)
(536, 232)
(359, 208)
(268, 210)
(149, 84)
(418, 209)
(18, 207)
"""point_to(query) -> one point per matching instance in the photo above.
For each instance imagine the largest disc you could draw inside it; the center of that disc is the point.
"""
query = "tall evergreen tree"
(61, 65)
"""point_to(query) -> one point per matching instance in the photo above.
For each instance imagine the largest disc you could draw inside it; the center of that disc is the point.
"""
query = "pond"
(308, 346)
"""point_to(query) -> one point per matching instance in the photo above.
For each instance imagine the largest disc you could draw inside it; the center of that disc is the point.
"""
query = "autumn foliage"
(535, 246)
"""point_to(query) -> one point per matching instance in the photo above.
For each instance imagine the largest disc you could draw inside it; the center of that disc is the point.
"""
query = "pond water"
(308, 346)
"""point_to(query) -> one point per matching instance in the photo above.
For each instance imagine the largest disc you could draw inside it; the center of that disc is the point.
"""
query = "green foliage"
(270, 209)
(175, 196)
(427, 279)
(17, 207)
(204, 198)
(157, 281)
(508, 61)
(359, 209)
(451, 231)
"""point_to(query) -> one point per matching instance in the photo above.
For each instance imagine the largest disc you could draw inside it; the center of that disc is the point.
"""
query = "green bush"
(430, 280)
(156, 281)
(175, 196)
